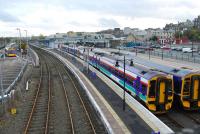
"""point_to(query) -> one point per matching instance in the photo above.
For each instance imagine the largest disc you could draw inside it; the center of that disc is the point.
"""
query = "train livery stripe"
(121, 82)
(144, 81)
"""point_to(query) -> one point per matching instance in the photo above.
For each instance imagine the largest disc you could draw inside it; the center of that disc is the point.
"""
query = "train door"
(195, 87)
(161, 91)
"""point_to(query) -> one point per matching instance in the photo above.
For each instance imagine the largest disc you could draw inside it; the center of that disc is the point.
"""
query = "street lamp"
(18, 29)
(26, 37)
(124, 87)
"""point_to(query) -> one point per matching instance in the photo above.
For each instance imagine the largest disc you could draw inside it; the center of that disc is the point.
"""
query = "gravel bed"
(14, 124)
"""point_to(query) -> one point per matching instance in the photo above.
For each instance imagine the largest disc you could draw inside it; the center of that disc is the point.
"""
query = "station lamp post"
(20, 43)
(124, 87)
(26, 36)
(27, 39)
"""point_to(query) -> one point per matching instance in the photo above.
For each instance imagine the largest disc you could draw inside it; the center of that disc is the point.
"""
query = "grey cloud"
(111, 23)
(129, 8)
(6, 17)
(74, 23)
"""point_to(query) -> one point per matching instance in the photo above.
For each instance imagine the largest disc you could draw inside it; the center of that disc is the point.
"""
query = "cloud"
(93, 15)
(108, 23)
(6, 17)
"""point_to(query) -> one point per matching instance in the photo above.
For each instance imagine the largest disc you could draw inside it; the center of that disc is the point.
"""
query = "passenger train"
(186, 84)
(153, 88)
(10, 52)
(185, 81)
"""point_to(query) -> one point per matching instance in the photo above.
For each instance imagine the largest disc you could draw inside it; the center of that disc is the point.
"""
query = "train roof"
(170, 70)
(181, 72)
(147, 74)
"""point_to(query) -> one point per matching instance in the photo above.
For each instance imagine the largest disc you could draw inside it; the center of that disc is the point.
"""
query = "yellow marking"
(168, 106)
(198, 103)
(162, 93)
(152, 107)
(196, 88)
(151, 99)
(186, 104)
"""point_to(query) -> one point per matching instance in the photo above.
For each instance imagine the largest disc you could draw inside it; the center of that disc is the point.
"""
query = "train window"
(169, 87)
(152, 89)
(136, 84)
(144, 89)
(186, 88)
(129, 80)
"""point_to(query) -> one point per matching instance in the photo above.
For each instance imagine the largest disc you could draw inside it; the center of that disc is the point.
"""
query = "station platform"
(143, 121)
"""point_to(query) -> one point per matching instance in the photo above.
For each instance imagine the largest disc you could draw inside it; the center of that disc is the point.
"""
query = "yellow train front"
(187, 89)
(160, 94)
(11, 52)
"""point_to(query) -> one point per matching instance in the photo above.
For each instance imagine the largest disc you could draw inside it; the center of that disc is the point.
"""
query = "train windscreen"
(195, 86)
(152, 89)
(186, 88)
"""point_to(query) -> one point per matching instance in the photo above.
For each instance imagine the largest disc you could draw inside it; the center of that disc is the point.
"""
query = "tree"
(41, 37)
(178, 34)
(193, 34)
(154, 39)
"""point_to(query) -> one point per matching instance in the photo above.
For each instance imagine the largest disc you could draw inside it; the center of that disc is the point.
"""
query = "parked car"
(179, 49)
(187, 50)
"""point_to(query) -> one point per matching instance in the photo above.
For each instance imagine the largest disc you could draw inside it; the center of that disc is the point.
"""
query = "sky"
(59, 16)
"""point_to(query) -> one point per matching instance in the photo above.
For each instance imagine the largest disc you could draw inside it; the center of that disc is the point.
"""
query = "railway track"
(195, 116)
(69, 109)
(179, 120)
(74, 108)
(171, 122)
(39, 116)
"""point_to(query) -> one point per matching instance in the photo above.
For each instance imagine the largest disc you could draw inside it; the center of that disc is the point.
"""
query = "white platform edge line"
(36, 58)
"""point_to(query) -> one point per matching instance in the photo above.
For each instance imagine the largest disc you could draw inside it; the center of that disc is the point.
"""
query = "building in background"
(197, 22)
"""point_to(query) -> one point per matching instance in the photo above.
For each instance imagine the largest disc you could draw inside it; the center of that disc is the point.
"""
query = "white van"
(187, 50)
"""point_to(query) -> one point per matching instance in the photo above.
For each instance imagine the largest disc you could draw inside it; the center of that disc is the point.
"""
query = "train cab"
(190, 93)
(160, 95)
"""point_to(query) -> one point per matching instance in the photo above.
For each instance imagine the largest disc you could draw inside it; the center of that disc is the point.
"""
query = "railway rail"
(66, 108)
(39, 116)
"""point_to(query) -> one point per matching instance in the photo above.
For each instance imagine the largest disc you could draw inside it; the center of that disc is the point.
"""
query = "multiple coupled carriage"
(154, 89)
(185, 81)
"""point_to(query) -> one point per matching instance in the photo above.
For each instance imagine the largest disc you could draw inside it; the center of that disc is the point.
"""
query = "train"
(186, 83)
(153, 88)
(11, 52)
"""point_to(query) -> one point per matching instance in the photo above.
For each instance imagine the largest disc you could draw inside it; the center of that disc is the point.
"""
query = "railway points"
(108, 97)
